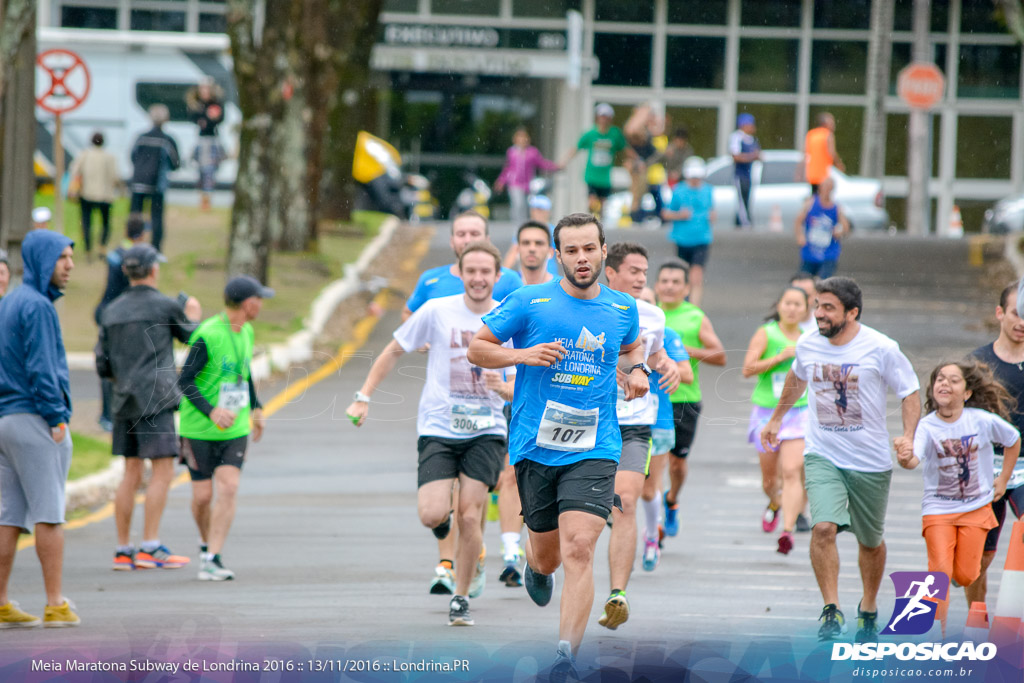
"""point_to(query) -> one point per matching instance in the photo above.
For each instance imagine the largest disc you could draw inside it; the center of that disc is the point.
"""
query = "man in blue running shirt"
(570, 337)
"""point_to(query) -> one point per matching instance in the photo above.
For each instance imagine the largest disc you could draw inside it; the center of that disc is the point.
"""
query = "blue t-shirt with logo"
(677, 352)
(819, 230)
(438, 282)
(592, 332)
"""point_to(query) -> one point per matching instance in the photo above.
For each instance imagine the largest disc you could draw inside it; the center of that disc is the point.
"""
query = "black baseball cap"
(242, 287)
(139, 259)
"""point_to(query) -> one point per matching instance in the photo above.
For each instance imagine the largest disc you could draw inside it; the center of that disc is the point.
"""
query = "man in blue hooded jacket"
(35, 406)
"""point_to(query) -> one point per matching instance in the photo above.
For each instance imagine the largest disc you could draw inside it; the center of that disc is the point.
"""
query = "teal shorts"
(664, 440)
(847, 498)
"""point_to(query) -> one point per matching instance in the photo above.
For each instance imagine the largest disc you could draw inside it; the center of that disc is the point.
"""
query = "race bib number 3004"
(564, 428)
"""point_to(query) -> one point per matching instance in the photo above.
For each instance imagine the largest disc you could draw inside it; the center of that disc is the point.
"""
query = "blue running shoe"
(671, 517)
(539, 586)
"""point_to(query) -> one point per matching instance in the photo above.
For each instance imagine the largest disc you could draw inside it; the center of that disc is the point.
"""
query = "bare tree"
(872, 161)
(17, 117)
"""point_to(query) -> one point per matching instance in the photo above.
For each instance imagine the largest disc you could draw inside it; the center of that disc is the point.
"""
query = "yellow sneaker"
(12, 617)
(60, 617)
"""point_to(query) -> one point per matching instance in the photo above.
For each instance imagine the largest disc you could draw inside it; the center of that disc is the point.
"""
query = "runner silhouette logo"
(916, 592)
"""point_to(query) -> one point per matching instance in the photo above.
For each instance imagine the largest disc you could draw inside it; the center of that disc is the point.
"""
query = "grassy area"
(90, 455)
(195, 244)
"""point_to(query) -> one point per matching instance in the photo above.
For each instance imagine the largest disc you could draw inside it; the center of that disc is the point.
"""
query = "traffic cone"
(956, 224)
(976, 630)
(775, 224)
(1006, 620)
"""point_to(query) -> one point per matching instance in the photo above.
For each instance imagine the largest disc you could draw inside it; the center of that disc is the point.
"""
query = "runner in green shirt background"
(602, 143)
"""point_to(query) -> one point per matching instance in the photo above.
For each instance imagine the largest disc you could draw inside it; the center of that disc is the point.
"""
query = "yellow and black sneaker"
(833, 623)
(11, 616)
(616, 611)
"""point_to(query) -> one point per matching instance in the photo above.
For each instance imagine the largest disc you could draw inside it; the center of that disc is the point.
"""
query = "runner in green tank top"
(672, 287)
(218, 411)
(769, 356)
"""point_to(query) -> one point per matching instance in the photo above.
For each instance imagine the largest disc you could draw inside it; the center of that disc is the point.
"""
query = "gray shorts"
(636, 449)
(33, 472)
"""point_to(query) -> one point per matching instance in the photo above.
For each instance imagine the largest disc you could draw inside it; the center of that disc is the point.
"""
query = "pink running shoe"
(785, 542)
(770, 520)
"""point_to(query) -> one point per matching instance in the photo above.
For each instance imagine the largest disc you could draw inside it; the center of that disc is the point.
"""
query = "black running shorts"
(147, 437)
(1015, 497)
(685, 416)
(203, 457)
(546, 491)
(480, 458)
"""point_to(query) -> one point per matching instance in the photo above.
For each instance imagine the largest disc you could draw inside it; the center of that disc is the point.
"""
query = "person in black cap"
(219, 410)
(136, 353)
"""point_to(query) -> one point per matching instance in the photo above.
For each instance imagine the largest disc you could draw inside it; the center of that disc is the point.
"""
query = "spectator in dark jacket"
(35, 406)
(154, 156)
(136, 352)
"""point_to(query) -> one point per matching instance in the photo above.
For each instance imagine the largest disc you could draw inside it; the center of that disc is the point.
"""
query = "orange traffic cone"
(956, 223)
(1006, 620)
(775, 224)
(977, 624)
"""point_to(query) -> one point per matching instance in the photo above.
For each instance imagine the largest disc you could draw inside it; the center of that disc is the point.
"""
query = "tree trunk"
(17, 120)
(917, 133)
(872, 161)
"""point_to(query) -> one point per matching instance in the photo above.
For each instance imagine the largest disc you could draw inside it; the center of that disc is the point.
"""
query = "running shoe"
(11, 616)
(510, 575)
(60, 617)
(652, 555)
(161, 558)
(442, 530)
(214, 570)
(785, 542)
(458, 612)
(802, 525)
(867, 628)
(616, 611)
(564, 668)
(123, 562)
(539, 586)
(671, 517)
(769, 520)
(443, 582)
(476, 586)
(833, 623)
(492, 508)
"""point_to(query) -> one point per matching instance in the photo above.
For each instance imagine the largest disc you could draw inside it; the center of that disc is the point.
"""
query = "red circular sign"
(921, 85)
(62, 82)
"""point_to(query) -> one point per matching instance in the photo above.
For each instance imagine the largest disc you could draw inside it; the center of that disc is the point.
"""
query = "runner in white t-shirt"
(626, 270)
(462, 430)
(848, 367)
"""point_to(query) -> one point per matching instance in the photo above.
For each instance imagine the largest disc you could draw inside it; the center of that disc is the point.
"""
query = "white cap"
(604, 109)
(41, 214)
(694, 167)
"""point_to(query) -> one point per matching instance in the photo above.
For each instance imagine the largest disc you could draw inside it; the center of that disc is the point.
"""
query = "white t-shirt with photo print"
(455, 403)
(847, 406)
(957, 459)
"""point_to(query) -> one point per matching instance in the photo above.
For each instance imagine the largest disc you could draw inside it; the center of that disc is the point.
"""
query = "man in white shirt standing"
(848, 367)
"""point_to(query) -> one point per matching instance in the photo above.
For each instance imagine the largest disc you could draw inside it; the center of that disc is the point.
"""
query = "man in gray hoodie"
(35, 407)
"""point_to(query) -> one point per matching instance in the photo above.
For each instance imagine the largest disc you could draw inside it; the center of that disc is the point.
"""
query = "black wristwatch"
(642, 366)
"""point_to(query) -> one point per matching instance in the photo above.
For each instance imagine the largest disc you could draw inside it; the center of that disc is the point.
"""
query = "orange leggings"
(955, 543)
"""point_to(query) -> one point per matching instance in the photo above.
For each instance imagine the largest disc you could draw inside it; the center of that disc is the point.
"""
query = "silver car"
(773, 187)
(1006, 215)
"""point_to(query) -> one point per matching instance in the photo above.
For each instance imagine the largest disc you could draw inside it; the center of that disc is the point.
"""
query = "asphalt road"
(332, 563)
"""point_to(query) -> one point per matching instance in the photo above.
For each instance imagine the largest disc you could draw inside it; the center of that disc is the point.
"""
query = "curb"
(98, 487)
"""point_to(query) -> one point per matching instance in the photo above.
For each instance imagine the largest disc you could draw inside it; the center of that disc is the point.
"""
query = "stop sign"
(921, 85)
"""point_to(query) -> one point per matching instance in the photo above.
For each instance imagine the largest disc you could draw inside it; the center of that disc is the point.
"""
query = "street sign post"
(62, 85)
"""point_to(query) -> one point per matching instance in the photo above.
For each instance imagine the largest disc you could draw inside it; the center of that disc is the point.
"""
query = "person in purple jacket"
(522, 161)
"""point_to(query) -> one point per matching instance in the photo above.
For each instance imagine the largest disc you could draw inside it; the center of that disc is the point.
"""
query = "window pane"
(694, 62)
(768, 65)
(488, 8)
(976, 138)
(904, 15)
(778, 172)
(700, 123)
(774, 123)
(213, 23)
(624, 59)
(547, 9)
(153, 20)
(775, 13)
(401, 5)
(846, 14)
(617, 10)
(838, 67)
(989, 71)
(896, 146)
(980, 16)
(171, 94)
(704, 12)
(849, 128)
(88, 17)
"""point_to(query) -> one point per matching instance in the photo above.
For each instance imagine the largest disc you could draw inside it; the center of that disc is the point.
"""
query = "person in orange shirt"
(820, 151)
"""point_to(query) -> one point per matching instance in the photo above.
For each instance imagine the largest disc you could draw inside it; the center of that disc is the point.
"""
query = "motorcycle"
(474, 197)
(376, 168)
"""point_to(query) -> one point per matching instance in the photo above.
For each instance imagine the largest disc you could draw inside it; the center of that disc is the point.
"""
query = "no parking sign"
(62, 81)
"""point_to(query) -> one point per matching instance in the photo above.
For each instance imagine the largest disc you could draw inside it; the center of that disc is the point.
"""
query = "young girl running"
(769, 356)
(968, 411)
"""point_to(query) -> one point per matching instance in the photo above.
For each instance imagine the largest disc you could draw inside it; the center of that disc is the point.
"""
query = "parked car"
(1006, 215)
